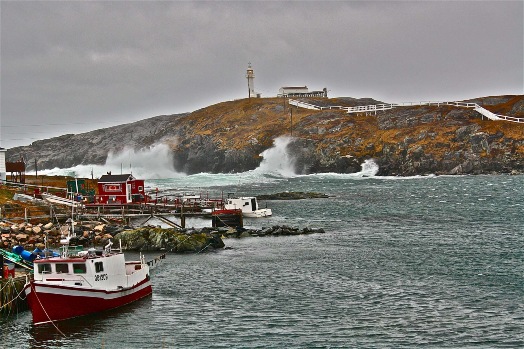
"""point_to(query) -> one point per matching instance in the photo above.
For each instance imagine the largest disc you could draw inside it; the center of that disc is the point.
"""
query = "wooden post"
(182, 217)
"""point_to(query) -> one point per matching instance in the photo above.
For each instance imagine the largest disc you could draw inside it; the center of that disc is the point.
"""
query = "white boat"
(85, 282)
(248, 205)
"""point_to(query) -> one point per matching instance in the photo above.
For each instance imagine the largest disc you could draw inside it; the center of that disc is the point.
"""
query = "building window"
(112, 188)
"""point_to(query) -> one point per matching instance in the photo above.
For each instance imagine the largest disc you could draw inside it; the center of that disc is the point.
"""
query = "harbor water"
(420, 262)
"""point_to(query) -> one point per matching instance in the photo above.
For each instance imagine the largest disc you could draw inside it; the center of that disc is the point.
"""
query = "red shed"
(120, 189)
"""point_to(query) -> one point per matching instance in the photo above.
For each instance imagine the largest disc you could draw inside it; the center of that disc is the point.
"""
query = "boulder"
(21, 237)
(99, 228)
(53, 232)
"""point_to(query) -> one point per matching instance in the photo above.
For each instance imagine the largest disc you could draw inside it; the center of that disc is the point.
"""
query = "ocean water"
(420, 262)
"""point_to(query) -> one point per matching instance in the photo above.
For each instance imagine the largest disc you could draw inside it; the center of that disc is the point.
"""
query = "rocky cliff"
(230, 136)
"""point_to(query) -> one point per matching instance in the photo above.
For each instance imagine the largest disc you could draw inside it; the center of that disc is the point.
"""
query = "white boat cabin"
(89, 270)
(248, 205)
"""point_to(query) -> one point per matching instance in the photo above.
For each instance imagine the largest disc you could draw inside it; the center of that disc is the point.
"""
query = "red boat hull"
(55, 303)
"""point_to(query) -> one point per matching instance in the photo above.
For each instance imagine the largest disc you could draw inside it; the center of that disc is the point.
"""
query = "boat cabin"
(120, 189)
(87, 271)
(246, 204)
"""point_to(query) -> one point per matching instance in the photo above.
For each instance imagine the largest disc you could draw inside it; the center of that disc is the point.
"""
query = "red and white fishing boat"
(86, 282)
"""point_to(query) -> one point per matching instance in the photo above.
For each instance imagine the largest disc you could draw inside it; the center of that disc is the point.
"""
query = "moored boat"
(85, 282)
(248, 205)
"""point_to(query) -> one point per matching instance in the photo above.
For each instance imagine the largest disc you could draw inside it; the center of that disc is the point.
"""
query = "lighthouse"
(250, 81)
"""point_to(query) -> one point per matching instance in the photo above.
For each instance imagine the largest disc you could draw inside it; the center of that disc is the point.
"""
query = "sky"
(77, 66)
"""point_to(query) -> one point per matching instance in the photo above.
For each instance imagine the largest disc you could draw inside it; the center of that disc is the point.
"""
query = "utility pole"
(291, 125)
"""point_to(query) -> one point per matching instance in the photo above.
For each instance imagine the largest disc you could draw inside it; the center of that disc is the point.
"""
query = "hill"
(230, 136)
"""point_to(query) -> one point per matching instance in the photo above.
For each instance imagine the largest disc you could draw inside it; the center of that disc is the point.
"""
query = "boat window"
(79, 268)
(62, 268)
(44, 268)
(99, 267)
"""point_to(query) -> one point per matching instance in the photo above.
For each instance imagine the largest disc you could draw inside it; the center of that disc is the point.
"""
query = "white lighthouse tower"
(250, 81)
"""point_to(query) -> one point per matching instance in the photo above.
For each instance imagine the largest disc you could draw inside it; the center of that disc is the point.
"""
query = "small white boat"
(248, 205)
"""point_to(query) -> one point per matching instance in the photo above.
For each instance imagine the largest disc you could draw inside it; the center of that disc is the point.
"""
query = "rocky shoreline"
(407, 141)
(148, 238)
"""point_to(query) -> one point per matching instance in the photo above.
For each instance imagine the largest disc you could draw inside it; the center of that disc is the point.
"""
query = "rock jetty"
(196, 240)
(275, 230)
(147, 238)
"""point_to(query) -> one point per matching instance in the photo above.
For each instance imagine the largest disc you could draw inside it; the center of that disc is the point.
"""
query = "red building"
(120, 189)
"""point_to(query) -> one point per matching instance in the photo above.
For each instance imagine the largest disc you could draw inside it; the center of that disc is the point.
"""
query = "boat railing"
(85, 279)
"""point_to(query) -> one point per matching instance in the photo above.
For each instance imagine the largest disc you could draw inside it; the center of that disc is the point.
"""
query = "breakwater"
(196, 240)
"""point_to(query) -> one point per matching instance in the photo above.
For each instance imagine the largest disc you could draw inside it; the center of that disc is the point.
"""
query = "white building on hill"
(300, 91)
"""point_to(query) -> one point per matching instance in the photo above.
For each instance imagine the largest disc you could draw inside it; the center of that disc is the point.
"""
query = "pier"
(51, 204)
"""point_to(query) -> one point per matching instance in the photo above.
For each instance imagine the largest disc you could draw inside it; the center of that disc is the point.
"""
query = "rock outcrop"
(230, 137)
(158, 239)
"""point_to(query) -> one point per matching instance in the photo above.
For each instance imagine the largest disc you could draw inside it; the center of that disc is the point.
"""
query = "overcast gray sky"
(76, 66)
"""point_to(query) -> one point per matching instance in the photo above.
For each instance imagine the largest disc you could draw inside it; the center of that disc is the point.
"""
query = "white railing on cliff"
(380, 107)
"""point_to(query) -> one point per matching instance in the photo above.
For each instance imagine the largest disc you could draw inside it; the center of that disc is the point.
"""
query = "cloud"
(70, 67)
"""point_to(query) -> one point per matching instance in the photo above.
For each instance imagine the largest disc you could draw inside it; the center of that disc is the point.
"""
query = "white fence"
(380, 107)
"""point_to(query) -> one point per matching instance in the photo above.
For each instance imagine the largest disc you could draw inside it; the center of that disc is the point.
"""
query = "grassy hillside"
(236, 124)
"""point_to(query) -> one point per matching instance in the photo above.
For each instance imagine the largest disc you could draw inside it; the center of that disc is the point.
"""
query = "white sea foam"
(277, 160)
(156, 164)
(150, 163)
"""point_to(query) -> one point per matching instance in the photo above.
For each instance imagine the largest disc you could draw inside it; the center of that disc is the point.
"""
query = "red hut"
(120, 189)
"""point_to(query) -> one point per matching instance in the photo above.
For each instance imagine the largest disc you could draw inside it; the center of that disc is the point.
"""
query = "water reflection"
(91, 327)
